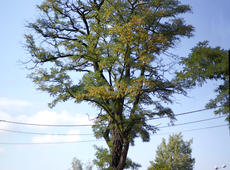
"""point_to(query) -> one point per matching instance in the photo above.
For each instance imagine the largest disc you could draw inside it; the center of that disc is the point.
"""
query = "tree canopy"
(174, 155)
(207, 63)
(109, 53)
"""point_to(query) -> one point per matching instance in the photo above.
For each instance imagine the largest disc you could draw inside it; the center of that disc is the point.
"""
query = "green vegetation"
(207, 63)
(174, 155)
(109, 53)
(104, 158)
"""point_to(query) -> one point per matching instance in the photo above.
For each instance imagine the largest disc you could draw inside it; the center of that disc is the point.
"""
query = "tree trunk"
(119, 150)
(124, 153)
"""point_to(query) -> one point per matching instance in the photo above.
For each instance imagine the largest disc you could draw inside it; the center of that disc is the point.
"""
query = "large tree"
(174, 155)
(209, 63)
(109, 53)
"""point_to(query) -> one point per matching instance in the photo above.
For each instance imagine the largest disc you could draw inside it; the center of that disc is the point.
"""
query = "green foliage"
(108, 52)
(207, 63)
(174, 155)
(104, 158)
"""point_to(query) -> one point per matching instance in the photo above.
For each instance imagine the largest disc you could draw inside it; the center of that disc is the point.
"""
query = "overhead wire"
(45, 143)
(82, 125)
(51, 125)
(40, 133)
(196, 129)
(63, 134)
(76, 134)
(191, 122)
(180, 114)
(72, 142)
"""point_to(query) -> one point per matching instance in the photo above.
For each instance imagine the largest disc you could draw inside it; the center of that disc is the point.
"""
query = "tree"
(78, 165)
(207, 63)
(109, 53)
(174, 155)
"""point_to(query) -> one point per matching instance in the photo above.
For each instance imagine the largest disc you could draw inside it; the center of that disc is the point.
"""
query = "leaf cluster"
(207, 63)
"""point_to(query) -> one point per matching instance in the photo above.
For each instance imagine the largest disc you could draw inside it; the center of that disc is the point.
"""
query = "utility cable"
(196, 129)
(74, 134)
(24, 143)
(180, 114)
(197, 121)
(40, 133)
(82, 125)
(51, 125)
(46, 143)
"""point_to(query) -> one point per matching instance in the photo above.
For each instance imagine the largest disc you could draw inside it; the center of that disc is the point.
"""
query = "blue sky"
(20, 101)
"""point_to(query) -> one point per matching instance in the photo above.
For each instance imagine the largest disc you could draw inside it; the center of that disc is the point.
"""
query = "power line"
(40, 133)
(82, 125)
(75, 134)
(24, 143)
(197, 121)
(180, 114)
(196, 129)
(52, 125)
(210, 127)
(46, 143)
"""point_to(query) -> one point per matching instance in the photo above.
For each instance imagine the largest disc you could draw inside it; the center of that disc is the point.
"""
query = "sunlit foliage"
(109, 53)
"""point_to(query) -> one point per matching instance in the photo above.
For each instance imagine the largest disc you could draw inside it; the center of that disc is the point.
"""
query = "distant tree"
(78, 165)
(207, 63)
(109, 53)
(174, 155)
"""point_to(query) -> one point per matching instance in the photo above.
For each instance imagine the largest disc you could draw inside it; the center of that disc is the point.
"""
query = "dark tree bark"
(119, 150)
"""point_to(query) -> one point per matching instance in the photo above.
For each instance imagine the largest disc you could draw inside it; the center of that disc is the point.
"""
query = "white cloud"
(2, 150)
(6, 103)
(46, 117)
(52, 117)
(4, 116)
(58, 138)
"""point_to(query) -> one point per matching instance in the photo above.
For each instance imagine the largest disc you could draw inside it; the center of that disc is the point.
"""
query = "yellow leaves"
(134, 32)
(107, 13)
(44, 6)
(137, 21)
(98, 92)
(128, 32)
(46, 77)
(131, 88)
(161, 39)
(125, 33)
(120, 89)
(143, 59)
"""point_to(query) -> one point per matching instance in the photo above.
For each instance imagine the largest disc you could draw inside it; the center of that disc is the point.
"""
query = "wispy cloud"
(6, 103)
(2, 150)
(4, 116)
(47, 117)
(55, 138)
(52, 117)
